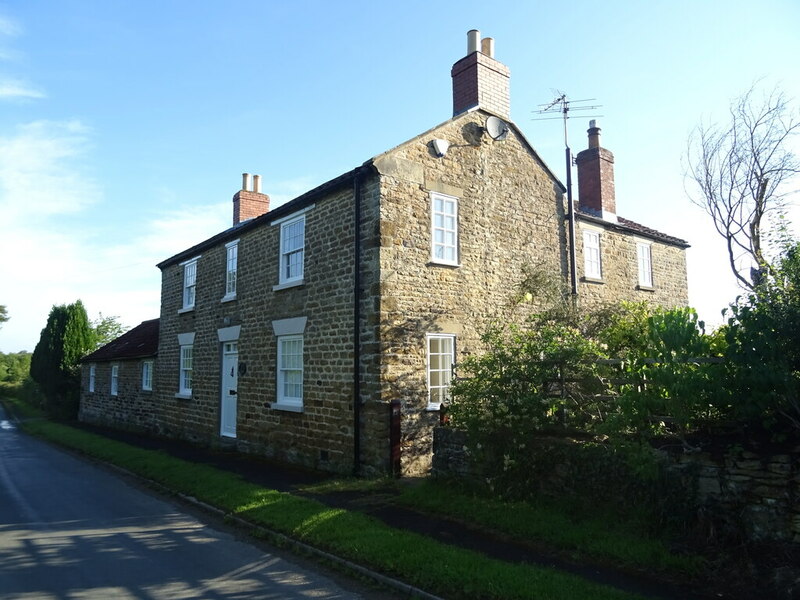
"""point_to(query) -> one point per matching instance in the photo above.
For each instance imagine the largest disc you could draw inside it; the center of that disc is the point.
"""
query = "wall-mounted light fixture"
(440, 147)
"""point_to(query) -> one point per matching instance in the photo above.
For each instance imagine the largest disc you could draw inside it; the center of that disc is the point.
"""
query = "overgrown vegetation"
(621, 378)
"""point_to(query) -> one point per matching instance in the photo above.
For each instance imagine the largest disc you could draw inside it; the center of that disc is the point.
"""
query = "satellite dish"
(496, 128)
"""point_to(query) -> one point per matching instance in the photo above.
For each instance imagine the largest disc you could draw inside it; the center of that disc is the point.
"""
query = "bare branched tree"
(742, 173)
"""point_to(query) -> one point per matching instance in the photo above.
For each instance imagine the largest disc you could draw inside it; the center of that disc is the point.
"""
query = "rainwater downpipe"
(573, 268)
(357, 322)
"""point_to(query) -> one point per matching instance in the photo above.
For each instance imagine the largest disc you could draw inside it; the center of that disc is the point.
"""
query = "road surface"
(70, 529)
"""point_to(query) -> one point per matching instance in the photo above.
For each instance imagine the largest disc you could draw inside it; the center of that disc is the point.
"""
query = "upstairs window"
(293, 235)
(644, 259)
(592, 268)
(441, 358)
(189, 283)
(444, 229)
(114, 380)
(231, 269)
(92, 376)
(147, 376)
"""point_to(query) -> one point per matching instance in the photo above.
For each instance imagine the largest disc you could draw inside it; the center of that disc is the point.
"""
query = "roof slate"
(633, 227)
(139, 342)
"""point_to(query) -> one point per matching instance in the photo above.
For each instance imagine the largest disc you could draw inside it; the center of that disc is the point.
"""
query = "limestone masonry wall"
(132, 407)
(320, 436)
(510, 213)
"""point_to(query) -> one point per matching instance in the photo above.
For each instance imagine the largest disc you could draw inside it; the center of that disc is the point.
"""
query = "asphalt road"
(70, 529)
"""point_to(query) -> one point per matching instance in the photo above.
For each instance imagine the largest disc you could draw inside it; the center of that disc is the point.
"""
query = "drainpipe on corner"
(357, 322)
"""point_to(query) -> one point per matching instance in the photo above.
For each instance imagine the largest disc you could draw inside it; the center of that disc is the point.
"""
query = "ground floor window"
(92, 376)
(290, 370)
(187, 353)
(114, 380)
(147, 375)
(441, 358)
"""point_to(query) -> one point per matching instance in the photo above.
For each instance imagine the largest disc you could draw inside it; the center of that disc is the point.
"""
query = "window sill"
(592, 280)
(286, 407)
(438, 263)
(180, 396)
(185, 310)
(645, 288)
(288, 284)
(228, 298)
(434, 407)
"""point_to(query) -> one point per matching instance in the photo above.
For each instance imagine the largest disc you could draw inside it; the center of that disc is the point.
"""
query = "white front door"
(230, 378)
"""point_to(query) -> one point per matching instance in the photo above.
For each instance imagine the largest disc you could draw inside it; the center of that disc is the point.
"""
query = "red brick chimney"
(596, 178)
(247, 203)
(480, 80)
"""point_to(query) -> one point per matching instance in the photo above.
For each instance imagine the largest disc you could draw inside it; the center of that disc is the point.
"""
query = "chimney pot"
(480, 80)
(487, 47)
(596, 178)
(473, 40)
(249, 203)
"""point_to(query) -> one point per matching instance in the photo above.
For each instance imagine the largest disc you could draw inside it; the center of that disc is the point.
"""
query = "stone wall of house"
(620, 271)
(755, 494)
(322, 435)
(510, 213)
(132, 408)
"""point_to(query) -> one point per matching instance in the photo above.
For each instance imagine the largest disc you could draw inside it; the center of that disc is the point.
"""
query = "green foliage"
(525, 383)
(763, 354)
(672, 382)
(3, 314)
(15, 367)
(106, 329)
(66, 338)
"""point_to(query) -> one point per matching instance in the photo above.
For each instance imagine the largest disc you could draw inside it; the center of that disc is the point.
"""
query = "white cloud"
(14, 89)
(9, 27)
(38, 167)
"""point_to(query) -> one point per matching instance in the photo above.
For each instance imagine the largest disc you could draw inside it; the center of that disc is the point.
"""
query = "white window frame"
(444, 229)
(285, 254)
(231, 269)
(114, 380)
(644, 260)
(189, 288)
(592, 256)
(186, 370)
(92, 377)
(147, 375)
(285, 400)
(436, 392)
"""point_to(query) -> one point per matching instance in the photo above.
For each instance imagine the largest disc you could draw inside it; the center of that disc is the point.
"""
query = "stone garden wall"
(755, 494)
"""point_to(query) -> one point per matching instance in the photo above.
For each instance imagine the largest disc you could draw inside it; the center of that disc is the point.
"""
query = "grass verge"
(597, 537)
(438, 568)
(603, 538)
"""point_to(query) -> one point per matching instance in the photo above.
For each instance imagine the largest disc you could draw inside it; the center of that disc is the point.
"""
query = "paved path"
(69, 529)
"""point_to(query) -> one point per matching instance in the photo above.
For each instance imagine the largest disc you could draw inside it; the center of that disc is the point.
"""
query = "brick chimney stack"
(480, 80)
(249, 203)
(596, 178)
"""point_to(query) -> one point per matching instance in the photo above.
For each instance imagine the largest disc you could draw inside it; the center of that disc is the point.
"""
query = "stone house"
(324, 331)
(117, 380)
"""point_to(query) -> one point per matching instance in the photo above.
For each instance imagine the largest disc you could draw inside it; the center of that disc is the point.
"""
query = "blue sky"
(125, 125)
